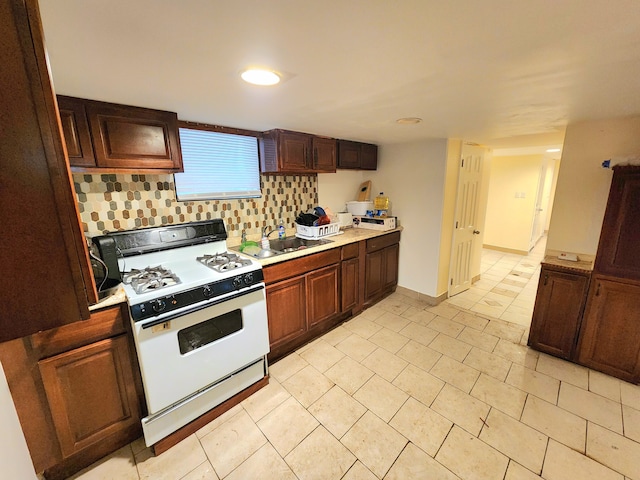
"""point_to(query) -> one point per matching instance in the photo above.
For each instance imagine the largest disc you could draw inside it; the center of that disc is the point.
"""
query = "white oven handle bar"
(215, 301)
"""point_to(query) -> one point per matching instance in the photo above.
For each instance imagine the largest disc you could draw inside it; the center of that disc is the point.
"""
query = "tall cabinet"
(610, 335)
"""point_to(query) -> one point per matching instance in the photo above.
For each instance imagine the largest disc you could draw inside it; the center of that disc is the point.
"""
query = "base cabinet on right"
(381, 266)
(610, 334)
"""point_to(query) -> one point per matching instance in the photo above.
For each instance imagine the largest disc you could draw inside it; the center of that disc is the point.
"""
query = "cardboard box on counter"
(375, 223)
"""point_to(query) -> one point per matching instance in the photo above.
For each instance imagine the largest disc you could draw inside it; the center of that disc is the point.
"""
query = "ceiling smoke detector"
(409, 120)
(260, 76)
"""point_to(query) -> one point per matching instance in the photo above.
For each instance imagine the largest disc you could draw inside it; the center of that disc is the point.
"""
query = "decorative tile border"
(110, 202)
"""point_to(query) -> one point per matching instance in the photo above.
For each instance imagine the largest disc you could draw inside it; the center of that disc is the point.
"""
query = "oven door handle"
(160, 321)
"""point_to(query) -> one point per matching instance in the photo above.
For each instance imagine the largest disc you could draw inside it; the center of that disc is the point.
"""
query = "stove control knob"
(248, 279)
(237, 282)
(158, 305)
(207, 291)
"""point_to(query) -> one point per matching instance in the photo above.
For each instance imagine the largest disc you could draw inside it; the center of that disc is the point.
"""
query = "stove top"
(224, 261)
(150, 279)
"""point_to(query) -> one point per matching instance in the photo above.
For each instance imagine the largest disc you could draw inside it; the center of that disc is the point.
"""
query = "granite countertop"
(118, 296)
(583, 265)
(346, 236)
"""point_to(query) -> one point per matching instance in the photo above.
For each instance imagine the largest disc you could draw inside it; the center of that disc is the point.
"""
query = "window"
(217, 166)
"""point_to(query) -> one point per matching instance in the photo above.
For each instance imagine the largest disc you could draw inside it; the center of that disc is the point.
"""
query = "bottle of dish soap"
(281, 230)
(381, 205)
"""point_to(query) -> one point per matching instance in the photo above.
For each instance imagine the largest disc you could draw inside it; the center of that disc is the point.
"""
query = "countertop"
(346, 236)
(118, 296)
(582, 265)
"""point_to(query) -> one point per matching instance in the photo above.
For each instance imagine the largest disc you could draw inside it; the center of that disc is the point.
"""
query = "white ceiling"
(505, 73)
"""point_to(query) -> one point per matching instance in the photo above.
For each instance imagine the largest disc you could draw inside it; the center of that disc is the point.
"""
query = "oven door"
(191, 351)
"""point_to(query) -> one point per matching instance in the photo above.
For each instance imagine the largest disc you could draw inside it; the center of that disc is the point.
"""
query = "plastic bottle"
(281, 230)
(381, 205)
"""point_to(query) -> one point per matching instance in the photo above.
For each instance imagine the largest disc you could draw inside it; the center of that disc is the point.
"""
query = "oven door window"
(204, 333)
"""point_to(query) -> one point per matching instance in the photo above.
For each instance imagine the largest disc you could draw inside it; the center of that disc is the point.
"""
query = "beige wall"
(509, 218)
(336, 189)
(583, 185)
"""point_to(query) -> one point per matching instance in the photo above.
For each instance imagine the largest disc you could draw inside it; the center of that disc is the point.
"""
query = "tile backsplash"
(111, 202)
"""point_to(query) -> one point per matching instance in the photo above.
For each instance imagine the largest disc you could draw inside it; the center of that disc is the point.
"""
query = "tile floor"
(410, 391)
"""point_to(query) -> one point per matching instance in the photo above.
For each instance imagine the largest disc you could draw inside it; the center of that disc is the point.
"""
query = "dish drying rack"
(315, 233)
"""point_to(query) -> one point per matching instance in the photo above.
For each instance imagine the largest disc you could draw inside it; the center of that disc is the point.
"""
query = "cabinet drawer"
(102, 324)
(350, 251)
(300, 266)
(382, 241)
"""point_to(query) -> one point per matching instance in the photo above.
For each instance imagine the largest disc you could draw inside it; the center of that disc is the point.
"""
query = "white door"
(465, 232)
(538, 224)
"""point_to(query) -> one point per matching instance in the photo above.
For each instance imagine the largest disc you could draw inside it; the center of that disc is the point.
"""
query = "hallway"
(507, 285)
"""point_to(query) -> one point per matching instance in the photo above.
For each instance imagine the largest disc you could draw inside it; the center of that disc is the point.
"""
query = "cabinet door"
(295, 151)
(322, 295)
(391, 265)
(374, 269)
(134, 138)
(348, 154)
(368, 156)
(610, 334)
(350, 283)
(91, 393)
(286, 310)
(620, 236)
(324, 154)
(75, 127)
(557, 313)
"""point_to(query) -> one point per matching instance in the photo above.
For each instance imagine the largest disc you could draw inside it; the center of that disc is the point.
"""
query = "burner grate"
(223, 262)
(150, 279)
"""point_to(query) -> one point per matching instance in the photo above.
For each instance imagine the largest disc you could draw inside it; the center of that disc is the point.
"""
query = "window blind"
(217, 166)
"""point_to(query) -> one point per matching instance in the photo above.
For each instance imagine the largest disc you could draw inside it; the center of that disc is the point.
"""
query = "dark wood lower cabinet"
(323, 298)
(558, 311)
(350, 276)
(286, 310)
(381, 266)
(610, 335)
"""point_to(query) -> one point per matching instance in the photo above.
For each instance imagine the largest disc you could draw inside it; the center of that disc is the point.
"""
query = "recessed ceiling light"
(553, 150)
(408, 120)
(260, 76)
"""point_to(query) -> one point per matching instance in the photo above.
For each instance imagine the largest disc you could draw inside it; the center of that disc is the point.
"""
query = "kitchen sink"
(279, 246)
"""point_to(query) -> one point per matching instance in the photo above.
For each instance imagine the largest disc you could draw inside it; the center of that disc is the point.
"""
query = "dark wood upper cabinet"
(120, 138)
(42, 247)
(620, 237)
(357, 156)
(283, 151)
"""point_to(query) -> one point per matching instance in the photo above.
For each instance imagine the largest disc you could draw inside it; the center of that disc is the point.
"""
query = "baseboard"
(407, 292)
(505, 250)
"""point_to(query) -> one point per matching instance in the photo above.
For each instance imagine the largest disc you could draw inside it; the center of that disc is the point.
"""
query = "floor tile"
(563, 370)
(591, 406)
(506, 330)
(488, 363)
(419, 333)
(484, 341)
(462, 409)
(204, 471)
(213, 424)
(322, 356)
(335, 336)
(120, 464)
(392, 321)
(389, 340)
(421, 426)
(337, 411)
(555, 422)
(470, 458)
(265, 464)
(372, 313)
(604, 385)
(381, 397)
(413, 463)
(631, 422)
(421, 317)
(394, 303)
(562, 463)
(444, 310)
(515, 471)
(455, 373)
(534, 382)
(615, 451)
(630, 394)
(359, 472)
(385, 364)
(224, 450)
(362, 326)
(446, 326)
(356, 347)
(307, 385)
(174, 463)
(287, 366)
(450, 346)
(470, 320)
(504, 397)
(265, 400)
(376, 444)
(349, 375)
(419, 384)
(287, 425)
(320, 456)
(519, 354)
(516, 440)
(419, 355)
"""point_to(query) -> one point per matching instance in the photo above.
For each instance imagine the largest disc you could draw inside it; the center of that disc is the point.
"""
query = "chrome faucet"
(265, 234)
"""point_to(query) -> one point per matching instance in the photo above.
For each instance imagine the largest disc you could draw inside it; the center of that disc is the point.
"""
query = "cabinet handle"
(598, 289)
(546, 278)
(315, 157)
